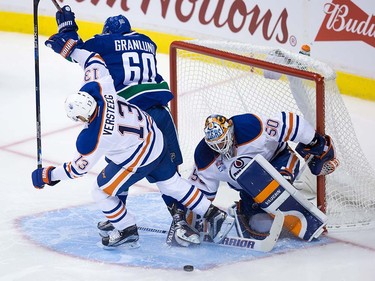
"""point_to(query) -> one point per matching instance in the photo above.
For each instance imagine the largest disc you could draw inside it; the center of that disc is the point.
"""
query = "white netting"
(207, 85)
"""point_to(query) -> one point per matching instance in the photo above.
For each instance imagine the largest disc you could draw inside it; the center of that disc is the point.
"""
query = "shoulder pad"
(247, 128)
(204, 155)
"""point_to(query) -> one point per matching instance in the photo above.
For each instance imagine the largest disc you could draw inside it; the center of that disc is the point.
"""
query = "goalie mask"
(80, 106)
(116, 25)
(218, 132)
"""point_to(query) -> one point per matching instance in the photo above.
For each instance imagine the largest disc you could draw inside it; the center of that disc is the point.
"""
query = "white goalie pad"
(274, 193)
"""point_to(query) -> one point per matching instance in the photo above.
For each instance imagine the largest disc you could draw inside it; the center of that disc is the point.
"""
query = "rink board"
(73, 232)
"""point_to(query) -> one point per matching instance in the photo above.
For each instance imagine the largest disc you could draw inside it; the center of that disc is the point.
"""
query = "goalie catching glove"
(322, 150)
(42, 176)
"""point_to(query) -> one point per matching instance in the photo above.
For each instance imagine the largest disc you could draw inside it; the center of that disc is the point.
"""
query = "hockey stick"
(264, 245)
(57, 5)
(37, 85)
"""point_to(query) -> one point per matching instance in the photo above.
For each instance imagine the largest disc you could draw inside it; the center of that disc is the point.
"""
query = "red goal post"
(203, 73)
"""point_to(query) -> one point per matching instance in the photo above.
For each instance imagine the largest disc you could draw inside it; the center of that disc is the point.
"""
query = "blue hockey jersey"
(131, 60)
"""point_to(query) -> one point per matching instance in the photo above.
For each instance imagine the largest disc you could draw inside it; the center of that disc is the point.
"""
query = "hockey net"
(228, 78)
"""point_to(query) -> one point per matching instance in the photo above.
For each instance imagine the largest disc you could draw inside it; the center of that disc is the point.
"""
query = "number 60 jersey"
(120, 131)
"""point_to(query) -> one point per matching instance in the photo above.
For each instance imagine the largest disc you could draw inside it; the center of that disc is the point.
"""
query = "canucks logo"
(237, 166)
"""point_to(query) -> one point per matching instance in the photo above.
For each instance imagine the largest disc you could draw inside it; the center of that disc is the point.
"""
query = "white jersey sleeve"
(288, 126)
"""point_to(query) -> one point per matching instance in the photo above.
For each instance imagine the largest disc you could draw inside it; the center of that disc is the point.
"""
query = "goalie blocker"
(273, 192)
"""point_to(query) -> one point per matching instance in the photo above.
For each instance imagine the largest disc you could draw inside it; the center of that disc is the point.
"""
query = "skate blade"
(192, 239)
(103, 234)
(129, 245)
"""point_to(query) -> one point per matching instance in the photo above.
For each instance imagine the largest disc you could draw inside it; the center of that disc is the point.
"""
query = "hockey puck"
(188, 267)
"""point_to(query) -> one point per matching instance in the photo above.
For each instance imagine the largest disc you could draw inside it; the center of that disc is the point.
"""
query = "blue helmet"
(116, 25)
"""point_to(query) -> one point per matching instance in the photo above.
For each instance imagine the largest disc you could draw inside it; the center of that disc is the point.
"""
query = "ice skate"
(104, 228)
(184, 234)
(128, 237)
(219, 223)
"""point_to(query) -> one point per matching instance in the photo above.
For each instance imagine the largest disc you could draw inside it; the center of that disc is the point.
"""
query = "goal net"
(231, 78)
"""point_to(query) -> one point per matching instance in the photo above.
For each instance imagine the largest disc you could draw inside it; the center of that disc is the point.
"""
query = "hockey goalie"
(252, 155)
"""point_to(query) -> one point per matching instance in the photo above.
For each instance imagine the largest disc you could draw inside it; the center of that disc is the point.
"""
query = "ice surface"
(29, 217)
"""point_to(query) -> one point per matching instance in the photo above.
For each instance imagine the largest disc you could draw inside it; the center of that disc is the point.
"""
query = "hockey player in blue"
(228, 152)
(133, 146)
(131, 60)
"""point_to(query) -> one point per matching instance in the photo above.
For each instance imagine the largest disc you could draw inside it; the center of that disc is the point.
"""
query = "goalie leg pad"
(273, 192)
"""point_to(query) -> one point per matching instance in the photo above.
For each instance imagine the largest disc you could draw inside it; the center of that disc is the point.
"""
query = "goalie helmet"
(80, 106)
(218, 132)
(116, 25)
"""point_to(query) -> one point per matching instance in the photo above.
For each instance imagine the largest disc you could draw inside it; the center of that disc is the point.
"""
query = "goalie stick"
(264, 245)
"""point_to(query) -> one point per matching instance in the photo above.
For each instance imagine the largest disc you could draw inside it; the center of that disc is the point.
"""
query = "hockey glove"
(63, 43)
(324, 159)
(42, 176)
(66, 20)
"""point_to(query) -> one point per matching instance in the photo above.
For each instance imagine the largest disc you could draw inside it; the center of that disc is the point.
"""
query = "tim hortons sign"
(237, 16)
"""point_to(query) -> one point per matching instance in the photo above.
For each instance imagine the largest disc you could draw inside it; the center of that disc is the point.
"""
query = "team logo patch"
(213, 131)
(237, 166)
(220, 165)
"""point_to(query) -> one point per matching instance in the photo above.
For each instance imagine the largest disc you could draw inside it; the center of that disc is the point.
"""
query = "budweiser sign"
(345, 21)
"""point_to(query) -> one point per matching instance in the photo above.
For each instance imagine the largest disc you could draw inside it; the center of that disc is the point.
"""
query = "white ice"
(351, 258)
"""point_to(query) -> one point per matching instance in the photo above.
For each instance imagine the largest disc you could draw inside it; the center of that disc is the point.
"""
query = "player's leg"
(111, 199)
(273, 192)
(191, 197)
(163, 119)
(122, 223)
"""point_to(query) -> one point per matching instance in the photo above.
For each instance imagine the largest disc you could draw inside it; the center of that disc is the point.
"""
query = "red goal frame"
(315, 77)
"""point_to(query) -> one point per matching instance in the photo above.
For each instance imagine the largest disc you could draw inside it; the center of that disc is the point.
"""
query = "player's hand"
(66, 20)
(324, 159)
(42, 176)
(63, 43)
(315, 147)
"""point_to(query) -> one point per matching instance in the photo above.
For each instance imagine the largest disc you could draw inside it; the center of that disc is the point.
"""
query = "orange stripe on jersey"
(196, 193)
(267, 191)
(118, 213)
(293, 162)
(69, 167)
(97, 56)
(291, 121)
(109, 189)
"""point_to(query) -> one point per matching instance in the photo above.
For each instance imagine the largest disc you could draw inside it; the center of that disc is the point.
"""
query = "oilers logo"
(237, 166)
(213, 131)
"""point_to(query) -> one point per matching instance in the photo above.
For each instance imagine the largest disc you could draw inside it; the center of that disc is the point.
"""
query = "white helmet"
(80, 106)
(218, 132)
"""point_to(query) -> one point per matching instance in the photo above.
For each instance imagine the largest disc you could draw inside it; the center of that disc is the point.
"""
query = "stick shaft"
(57, 5)
(37, 86)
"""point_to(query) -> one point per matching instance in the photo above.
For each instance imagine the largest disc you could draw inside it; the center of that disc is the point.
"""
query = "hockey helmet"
(80, 106)
(116, 25)
(218, 131)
